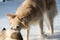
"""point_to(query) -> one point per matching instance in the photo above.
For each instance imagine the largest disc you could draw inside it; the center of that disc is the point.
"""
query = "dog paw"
(43, 36)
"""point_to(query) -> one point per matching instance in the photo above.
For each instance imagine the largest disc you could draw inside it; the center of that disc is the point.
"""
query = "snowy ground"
(11, 6)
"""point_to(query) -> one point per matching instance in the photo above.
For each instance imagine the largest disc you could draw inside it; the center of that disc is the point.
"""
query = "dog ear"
(11, 15)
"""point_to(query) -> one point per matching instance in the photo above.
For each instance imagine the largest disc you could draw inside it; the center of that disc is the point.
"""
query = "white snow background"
(11, 6)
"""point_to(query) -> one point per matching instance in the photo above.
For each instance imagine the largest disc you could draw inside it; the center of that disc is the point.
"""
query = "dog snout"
(11, 28)
(17, 27)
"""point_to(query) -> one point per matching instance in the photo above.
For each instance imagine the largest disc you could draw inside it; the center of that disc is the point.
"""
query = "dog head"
(15, 22)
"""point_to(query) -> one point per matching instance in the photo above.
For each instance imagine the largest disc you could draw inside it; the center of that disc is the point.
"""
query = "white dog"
(10, 35)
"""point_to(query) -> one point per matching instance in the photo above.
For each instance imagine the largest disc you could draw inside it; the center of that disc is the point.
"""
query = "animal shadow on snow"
(56, 36)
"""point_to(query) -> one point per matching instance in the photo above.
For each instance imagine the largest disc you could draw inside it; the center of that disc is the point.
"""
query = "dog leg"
(50, 23)
(41, 26)
(27, 34)
(51, 26)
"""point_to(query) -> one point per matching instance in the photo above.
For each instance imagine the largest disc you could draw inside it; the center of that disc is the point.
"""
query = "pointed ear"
(11, 15)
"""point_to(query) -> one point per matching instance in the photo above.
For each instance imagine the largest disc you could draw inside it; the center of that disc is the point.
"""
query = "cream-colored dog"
(10, 35)
(32, 10)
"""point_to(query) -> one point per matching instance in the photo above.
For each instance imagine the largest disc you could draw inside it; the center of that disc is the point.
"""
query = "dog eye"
(21, 19)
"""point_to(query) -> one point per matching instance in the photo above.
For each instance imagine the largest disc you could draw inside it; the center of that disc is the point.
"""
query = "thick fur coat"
(32, 10)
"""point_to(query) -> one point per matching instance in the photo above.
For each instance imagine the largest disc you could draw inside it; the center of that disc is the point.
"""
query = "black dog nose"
(4, 29)
(17, 26)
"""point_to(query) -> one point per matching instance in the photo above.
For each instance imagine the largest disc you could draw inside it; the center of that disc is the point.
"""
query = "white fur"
(6, 35)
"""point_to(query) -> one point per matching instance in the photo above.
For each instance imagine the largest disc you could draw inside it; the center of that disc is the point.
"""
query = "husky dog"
(32, 11)
(10, 35)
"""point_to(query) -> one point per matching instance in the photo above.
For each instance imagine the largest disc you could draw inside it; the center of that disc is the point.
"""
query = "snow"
(11, 6)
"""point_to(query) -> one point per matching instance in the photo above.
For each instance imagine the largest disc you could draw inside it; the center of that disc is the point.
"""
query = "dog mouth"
(16, 29)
